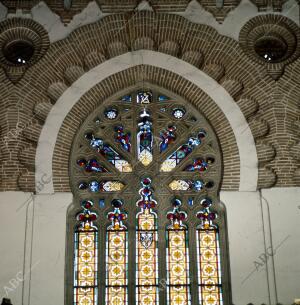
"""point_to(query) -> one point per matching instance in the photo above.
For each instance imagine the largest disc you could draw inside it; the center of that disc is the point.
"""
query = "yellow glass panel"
(145, 157)
(179, 185)
(146, 258)
(123, 166)
(168, 165)
(113, 186)
(178, 267)
(116, 267)
(85, 288)
(209, 273)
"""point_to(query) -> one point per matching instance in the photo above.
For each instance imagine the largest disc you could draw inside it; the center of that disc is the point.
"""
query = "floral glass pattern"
(178, 113)
(111, 114)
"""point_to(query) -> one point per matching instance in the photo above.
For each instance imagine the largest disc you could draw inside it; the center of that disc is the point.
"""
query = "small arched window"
(148, 227)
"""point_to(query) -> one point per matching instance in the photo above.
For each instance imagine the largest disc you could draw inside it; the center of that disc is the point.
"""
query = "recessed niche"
(22, 43)
(18, 52)
(271, 49)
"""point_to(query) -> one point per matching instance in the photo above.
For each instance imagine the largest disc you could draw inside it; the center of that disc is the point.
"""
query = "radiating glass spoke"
(167, 136)
(108, 153)
(182, 152)
(145, 139)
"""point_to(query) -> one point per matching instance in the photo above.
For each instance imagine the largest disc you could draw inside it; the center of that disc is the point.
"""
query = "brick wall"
(271, 107)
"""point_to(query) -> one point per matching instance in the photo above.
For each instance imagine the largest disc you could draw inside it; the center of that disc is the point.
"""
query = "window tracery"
(133, 148)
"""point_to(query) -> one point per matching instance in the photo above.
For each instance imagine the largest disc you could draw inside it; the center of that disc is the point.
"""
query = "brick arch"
(175, 75)
(200, 45)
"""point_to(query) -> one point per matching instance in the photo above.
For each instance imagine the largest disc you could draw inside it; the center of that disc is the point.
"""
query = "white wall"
(246, 243)
(40, 258)
(13, 218)
(32, 251)
(285, 235)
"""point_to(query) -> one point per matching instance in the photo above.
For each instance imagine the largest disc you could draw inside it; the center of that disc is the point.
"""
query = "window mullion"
(162, 254)
(193, 264)
(102, 259)
(131, 257)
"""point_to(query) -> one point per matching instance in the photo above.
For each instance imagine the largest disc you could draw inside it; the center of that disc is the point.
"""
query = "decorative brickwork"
(66, 13)
(68, 9)
(129, 78)
(274, 27)
(219, 8)
(24, 30)
(271, 108)
(263, 5)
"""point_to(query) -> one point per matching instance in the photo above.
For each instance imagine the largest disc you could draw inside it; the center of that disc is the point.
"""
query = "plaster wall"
(264, 246)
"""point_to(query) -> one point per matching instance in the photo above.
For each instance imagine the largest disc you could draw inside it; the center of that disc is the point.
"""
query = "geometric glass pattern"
(116, 257)
(103, 186)
(209, 269)
(178, 282)
(208, 256)
(146, 248)
(140, 135)
(86, 258)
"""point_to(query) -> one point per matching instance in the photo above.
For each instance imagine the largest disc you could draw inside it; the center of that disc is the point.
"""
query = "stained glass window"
(167, 136)
(116, 257)
(178, 280)
(109, 153)
(146, 248)
(152, 164)
(208, 255)
(182, 152)
(102, 186)
(145, 139)
(86, 258)
(123, 137)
